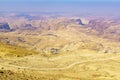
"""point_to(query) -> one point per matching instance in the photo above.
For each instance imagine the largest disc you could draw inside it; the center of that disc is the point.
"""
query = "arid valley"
(49, 47)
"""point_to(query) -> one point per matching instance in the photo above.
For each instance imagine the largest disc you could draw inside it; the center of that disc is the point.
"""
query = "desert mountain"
(63, 34)
(59, 48)
(106, 28)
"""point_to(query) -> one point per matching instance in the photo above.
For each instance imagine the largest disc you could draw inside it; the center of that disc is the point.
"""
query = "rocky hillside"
(59, 35)
(106, 28)
(59, 48)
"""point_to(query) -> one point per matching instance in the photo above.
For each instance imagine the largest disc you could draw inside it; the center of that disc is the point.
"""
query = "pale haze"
(100, 7)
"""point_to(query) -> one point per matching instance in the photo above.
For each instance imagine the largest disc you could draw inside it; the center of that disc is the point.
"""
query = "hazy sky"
(70, 6)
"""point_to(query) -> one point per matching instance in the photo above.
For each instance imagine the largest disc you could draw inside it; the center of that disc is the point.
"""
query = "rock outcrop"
(4, 27)
(99, 25)
(77, 21)
(27, 27)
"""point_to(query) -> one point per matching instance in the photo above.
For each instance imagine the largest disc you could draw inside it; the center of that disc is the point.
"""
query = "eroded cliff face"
(4, 26)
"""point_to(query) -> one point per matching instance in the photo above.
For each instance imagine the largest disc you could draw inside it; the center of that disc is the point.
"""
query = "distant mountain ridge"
(62, 34)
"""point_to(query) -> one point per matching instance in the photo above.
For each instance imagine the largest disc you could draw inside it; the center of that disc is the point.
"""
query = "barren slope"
(59, 49)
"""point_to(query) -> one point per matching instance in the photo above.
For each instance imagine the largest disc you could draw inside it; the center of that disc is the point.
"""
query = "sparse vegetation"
(10, 50)
(69, 49)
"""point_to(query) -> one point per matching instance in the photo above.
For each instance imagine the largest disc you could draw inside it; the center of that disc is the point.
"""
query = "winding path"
(62, 68)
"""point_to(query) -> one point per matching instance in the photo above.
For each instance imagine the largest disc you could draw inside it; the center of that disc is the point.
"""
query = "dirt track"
(62, 68)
